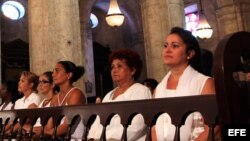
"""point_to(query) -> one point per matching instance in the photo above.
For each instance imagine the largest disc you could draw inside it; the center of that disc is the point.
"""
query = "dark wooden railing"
(232, 56)
(177, 108)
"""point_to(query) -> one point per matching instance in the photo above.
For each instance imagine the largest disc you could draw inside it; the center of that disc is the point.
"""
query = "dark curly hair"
(192, 44)
(131, 58)
(77, 71)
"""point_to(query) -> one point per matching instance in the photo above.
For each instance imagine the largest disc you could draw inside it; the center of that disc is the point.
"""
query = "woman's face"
(120, 72)
(60, 76)
(23, 84)
(44, 85)
(3, 91)
(174, 52)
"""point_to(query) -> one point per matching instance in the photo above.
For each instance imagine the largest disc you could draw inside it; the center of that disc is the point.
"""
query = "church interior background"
(53, 30)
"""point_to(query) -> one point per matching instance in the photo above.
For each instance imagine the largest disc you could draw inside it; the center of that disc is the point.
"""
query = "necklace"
(60, 103)
(46, 101)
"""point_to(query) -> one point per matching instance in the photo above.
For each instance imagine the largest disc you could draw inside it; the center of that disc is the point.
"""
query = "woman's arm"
(77, 97)
(209, 87)
(153, 134)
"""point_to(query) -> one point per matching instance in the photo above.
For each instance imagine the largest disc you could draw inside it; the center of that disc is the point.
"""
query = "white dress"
(78, 132)
(190, 83)
(136, 131)
(38, 124)
(8, 107)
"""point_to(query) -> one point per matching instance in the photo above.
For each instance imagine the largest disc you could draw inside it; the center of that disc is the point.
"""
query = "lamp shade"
(13, 10)
(204, 30)
(114, 17)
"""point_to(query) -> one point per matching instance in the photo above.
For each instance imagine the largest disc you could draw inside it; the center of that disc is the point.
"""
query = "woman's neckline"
(119, 91)
(64, 98)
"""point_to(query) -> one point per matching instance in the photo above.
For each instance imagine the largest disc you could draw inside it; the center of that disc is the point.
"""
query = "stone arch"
(130, 34)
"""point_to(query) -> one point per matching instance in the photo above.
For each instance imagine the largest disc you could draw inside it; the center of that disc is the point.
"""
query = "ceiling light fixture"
(13, 10)
(204, 30)
(114, 17)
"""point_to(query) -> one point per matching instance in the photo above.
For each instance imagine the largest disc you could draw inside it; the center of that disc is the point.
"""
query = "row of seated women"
(181, 54)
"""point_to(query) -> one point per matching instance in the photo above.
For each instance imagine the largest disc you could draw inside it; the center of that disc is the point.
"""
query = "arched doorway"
(103, 78)
(15, 59)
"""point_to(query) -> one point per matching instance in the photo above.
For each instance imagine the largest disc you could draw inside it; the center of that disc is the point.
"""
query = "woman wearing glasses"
(46, 88)
(48, 91)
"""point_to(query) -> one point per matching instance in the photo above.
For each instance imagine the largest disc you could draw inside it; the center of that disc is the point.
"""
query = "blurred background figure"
(248, 76)
(206, 63)
(151, 84)
(98, 100)
(9, 94)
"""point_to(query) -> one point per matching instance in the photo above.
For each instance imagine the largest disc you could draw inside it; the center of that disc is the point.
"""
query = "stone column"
(54, 34)
(158, 18)
(233, 16)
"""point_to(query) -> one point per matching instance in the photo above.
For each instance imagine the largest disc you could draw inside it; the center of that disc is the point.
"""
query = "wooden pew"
(233, 98)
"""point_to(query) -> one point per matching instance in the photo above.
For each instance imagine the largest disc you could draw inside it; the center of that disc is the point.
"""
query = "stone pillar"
(158, 18)
(233, 16)
(54, 34)
(85, 7)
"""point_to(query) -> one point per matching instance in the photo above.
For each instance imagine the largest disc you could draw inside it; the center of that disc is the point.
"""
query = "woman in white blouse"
(126, 66)
(181, 53)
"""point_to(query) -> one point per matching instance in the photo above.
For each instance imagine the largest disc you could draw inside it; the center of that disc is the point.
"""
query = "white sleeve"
(37, 101)
(140, 93)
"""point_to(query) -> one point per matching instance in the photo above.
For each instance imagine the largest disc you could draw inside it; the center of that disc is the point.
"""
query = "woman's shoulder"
(140, 90)
(19, 100)
(206, 83)
(209, 86)
(35, 95)
(139, 86)
(77, 93)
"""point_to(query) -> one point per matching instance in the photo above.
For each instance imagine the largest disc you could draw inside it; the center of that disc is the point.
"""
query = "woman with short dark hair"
(181, 53)
(126, 67)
